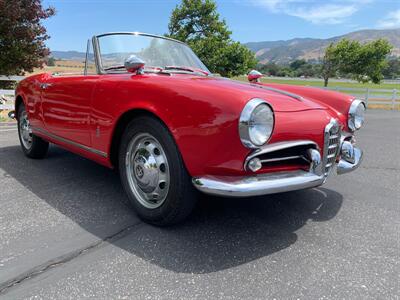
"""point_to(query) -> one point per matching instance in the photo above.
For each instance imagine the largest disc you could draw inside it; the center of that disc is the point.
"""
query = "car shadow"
(221, 233)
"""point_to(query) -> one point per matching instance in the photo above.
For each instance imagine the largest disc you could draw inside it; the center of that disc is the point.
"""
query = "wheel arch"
(18, 101)
(122, 123)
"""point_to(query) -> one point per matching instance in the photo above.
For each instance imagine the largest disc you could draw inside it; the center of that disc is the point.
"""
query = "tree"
(363, 62)
(297, 64)
(197, 23)
(22, 35)
(371, 60)
(270, 68)
(51, 62)
(392, 69)
(329, 64)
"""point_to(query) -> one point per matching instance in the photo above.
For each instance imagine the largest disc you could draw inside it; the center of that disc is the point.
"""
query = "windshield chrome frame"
(86, 58)
(96, 47)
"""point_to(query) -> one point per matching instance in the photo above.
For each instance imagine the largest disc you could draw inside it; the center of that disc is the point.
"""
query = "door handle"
(44, 86)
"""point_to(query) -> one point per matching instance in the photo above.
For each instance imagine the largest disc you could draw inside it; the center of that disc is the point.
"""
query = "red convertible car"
(149, 107)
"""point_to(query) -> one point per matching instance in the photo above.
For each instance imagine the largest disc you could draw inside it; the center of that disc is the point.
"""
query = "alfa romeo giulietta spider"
(147, 106)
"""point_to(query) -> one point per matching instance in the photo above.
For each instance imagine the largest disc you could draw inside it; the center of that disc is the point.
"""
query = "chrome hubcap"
(147, 170)
(25, 130)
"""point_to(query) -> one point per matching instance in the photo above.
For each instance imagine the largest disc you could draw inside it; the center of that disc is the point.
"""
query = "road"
(67, 232)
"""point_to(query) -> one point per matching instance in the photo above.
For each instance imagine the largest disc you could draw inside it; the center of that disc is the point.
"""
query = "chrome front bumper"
(258, 185)
(347, 165)
(264, 184)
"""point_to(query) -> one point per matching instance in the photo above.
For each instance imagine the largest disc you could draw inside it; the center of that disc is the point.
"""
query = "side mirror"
(134, 64)
(254, 76)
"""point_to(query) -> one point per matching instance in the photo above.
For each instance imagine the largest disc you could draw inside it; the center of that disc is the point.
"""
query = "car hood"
(243, 92)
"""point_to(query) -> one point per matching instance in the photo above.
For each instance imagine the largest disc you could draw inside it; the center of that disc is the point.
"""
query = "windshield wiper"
(152, 69)
(114, 68)
(187, 69)
(146, 68)
(178, 68)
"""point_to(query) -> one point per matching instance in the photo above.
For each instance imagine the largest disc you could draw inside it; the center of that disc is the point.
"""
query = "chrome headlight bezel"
(355, 120)
(246, 123)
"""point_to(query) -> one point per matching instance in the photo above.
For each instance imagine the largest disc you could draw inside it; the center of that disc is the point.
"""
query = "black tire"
(181, 196)
(38, 147)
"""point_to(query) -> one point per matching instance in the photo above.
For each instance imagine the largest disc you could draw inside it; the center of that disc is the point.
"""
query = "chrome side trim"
(258, 185)
(66, 141)
(278, 146)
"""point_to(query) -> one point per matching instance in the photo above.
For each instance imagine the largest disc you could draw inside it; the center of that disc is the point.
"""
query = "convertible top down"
(149, 107)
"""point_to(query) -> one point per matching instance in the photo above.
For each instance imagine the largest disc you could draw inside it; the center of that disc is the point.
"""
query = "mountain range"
(68, 55)
(285, 51)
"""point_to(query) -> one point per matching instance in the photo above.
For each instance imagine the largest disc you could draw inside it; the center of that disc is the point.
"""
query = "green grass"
(5, 119)
(375, 95)
(332, 84)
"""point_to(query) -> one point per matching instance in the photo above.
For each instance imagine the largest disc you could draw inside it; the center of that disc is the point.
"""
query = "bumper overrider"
(346, 159)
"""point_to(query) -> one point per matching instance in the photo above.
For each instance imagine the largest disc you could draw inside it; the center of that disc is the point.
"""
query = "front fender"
(337, 103)
(205, 130)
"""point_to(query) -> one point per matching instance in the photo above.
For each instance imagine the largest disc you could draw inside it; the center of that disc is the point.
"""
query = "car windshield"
(157, 53)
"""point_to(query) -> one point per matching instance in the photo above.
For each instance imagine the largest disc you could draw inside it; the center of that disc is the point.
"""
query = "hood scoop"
(282, 92)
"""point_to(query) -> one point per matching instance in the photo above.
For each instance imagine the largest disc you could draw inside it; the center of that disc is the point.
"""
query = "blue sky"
(249, 20)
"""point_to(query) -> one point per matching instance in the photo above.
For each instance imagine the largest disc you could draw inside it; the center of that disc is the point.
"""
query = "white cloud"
(325, 14)
(392, 20)
(333, 12)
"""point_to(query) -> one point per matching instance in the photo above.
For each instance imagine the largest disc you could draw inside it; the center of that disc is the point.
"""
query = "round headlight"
(356, 115)
(256, 123)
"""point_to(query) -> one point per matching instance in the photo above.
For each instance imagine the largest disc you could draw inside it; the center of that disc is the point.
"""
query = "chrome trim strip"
(140, 33)
(282, 158)
(86, 58)
(278, 146)
(258, 185)
(66, 141)
(96, 52)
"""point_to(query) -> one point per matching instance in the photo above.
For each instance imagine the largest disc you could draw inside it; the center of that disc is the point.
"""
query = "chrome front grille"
(331, 145)
(282, 153)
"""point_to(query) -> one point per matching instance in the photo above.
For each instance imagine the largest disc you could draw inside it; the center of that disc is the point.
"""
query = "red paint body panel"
(201, 113)
(336, 102)
(66, 106)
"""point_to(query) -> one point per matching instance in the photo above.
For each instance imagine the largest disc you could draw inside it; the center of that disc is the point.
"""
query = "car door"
(66, 106)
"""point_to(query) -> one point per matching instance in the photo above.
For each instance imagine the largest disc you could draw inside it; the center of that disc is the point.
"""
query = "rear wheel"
(32, 145)
(153, 174)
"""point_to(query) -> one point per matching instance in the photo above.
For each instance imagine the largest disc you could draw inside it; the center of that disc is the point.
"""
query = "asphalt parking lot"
(67, 232)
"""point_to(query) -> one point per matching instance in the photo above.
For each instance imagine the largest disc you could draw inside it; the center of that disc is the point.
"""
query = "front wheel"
(153, 174)
(32, 145)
